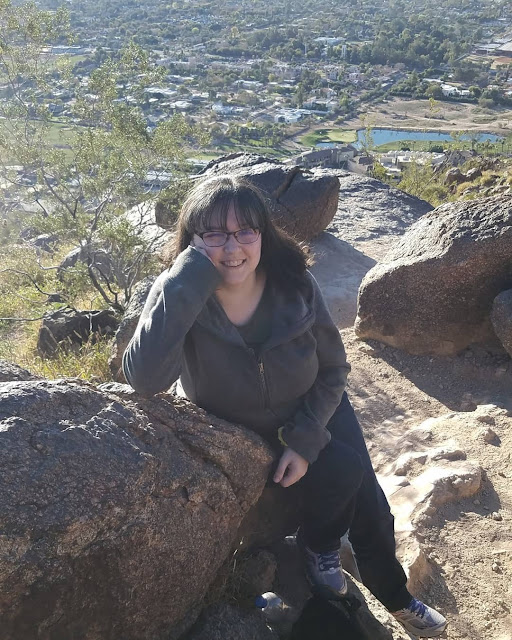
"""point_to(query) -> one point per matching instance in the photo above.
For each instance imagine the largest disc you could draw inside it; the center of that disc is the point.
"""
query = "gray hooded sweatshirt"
(293, 382)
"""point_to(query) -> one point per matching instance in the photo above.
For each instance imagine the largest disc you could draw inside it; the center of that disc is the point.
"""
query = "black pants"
(341, 493)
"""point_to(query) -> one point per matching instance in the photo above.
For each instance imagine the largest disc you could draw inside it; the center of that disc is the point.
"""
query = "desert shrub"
(463, 186)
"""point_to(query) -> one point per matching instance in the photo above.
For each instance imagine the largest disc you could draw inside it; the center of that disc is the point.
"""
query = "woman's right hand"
(197, 244)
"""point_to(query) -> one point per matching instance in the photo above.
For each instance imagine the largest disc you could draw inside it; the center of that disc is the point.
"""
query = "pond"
(383, 136)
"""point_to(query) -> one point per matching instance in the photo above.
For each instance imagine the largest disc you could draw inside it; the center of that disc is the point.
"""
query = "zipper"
(261, 370)
(261, 373)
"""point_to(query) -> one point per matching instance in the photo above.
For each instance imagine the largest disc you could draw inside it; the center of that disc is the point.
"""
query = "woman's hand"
(291, 468)
(200, 246)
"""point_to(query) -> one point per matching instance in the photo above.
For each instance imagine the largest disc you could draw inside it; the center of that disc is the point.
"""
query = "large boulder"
(68, 329)
(115, 512)
(302, 202)
(100, 259)
(501, 317)
(433, 292)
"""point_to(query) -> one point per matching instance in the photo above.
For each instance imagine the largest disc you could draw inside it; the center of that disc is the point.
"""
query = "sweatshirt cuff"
(306, 442)
(197, 270)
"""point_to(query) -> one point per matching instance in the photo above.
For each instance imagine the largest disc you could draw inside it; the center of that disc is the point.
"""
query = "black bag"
(323, 619)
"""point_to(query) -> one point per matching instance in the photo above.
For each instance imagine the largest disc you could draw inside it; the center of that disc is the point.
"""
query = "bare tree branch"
(23, 273)
(99, 288)
(21, 319)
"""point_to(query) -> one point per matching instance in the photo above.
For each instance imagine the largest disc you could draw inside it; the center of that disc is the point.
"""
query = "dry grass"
(18, 344)
(22, 271)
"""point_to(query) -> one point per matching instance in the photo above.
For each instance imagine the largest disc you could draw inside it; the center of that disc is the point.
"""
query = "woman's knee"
(339, 466)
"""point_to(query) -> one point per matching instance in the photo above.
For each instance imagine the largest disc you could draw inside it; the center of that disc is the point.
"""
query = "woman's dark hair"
(284, 259)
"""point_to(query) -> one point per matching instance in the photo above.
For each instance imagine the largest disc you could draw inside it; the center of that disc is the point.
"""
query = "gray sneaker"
(323, 570)
(420, 620)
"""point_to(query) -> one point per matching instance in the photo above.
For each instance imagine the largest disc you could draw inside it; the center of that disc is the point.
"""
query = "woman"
(242, 324)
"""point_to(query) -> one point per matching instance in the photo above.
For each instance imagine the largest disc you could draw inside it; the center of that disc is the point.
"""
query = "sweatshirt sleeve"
(152, 360)
(306, 432)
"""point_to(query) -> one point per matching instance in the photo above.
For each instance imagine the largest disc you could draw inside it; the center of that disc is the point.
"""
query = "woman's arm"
(152, 360)
(306, 432)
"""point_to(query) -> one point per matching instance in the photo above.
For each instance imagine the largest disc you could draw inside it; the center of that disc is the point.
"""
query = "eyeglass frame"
(230, 233)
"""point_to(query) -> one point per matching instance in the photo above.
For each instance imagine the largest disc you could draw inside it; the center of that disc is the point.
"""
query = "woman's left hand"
(291, 468)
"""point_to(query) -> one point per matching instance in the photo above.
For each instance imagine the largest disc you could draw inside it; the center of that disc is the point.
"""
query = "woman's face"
(236, 262)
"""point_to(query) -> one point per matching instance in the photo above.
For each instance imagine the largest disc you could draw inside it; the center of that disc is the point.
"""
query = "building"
(454, 92)
(395, 161)
(334, 157)
(360, 164)
(504, 49)
(289, 116)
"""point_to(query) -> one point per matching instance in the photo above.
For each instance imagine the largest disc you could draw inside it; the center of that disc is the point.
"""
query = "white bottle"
(276, 612)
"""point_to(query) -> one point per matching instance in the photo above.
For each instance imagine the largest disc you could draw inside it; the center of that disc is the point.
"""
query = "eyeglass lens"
(219, 238)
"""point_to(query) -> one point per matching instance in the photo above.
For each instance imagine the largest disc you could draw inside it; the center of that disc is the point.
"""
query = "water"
(382, 136)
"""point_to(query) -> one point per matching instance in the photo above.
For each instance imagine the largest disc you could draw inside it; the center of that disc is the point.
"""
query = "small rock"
(476, 501)
(487, 435)
(496, 567)
(496, 516)
(367, 349)
(486, 419)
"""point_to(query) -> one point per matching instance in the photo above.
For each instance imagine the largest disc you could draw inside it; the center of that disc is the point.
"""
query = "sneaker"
(420, 620)
(323, 570)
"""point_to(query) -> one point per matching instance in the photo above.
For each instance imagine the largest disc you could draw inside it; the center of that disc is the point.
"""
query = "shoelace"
(329, 560)
(417, 607)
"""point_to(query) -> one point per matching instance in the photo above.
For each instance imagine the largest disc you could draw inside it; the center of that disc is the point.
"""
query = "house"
(288, 115)
(181, 105)
(225, 110)
(332, 72)
(360, 164)
(504, 49)
(395, 161)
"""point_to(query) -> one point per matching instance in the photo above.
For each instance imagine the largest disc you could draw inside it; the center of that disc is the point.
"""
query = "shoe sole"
(433, 632)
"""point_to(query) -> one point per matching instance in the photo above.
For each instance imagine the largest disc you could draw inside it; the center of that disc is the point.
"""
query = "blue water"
(382, 136)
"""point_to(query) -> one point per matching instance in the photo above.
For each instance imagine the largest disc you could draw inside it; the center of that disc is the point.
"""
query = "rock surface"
(68, 329)
(501, 317)
(433, 292)
(303, 202)
(10, 372)
(371, 214)
(228, 622)
(101, 261)
(339, 285)
(115, 516)
(127, 326)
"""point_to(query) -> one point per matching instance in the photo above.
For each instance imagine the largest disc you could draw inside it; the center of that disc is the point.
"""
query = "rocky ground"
(439, 430)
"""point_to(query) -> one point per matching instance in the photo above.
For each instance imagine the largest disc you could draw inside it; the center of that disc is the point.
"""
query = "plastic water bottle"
(277, 613)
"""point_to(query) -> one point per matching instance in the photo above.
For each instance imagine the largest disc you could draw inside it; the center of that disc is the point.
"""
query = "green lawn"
(312, 138)
(60, 134)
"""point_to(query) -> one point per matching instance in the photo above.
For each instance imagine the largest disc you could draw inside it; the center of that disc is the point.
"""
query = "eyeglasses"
(219, 238)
